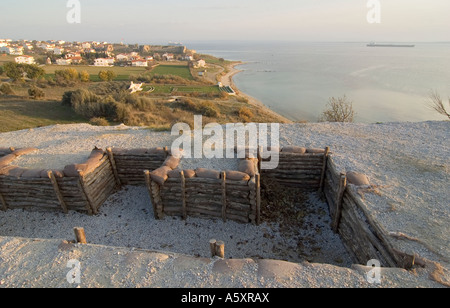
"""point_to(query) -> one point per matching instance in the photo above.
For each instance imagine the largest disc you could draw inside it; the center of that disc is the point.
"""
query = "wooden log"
(224, 196)
(149, 183)
(212, 247)
(89, 204)
(324, 168)
(183, 195)
(80, 235)
(220, 249)
(60, 197)
(258, 199)
(113, 166)
(3, 203)
(339, 201)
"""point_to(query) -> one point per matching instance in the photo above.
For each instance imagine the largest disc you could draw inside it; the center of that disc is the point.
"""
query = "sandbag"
(152, 151)
(160, 175)
(32, 173)
(247, 166)
(6, 160)
(24, 151)
(56, 173)
(72, 170)
(16, 172)
(294, 149)
(176, 174)
(357, 179)
(6, 169)
(237, 176)
(207, 173)
(315, 151)
(172, 162)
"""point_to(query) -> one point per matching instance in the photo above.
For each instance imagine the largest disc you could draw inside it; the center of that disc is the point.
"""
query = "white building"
(140, 62)
(102, 62)
(63, 61)
(15, 51)
(58, 51)
(122, 57)
(25, 60)
(200, 64)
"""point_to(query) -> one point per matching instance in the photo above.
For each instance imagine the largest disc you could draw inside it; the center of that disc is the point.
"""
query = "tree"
(437, 104)
(33, 71)
(85, 77)
(338, 110)
(13, 71)
(107, 75)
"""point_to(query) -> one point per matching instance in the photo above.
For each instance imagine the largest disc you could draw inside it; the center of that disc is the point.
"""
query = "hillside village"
(93, 53)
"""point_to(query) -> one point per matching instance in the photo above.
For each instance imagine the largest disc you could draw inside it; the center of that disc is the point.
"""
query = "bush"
(85, 77)
(207, 109)
(245, 114)
(1, 70)
(99, 122)
(338, 110)
(17, 71)
(5, 88)
(36, 93)
(107, 75)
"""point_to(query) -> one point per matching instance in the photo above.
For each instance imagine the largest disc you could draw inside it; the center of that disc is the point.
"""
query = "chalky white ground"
(408, 163)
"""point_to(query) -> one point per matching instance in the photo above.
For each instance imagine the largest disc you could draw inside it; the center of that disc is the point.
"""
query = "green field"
(123, 73)
(17, 115)
(177, 70)
(167, 89)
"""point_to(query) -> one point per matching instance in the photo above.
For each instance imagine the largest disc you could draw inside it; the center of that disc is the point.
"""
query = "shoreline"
(227, 80)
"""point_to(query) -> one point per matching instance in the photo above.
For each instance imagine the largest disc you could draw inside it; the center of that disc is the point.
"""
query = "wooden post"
(260, 154)
(91, 206)
(258, 198)
(80, 236)
(52, 178)
(114, 166)
(224, 196)
(339, 202)
(220, 249)
(148, 181)
(212, 246)
(324, 169)
(183, 195)
(3, 202)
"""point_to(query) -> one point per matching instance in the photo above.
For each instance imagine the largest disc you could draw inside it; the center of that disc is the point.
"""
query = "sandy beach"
(227, 80)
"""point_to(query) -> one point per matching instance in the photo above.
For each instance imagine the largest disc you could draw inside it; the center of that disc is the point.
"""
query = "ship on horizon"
(389, 45)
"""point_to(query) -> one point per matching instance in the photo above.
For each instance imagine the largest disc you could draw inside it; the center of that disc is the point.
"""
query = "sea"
(297, 79)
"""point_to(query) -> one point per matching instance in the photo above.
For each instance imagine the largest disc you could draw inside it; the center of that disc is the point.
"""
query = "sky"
(150, 21)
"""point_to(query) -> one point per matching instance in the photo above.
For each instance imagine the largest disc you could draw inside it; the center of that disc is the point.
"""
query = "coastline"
(227, 80)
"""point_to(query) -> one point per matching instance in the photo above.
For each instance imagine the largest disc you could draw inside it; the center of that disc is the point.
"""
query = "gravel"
(406, 162)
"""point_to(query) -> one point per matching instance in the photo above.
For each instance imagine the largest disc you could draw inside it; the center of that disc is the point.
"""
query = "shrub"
(99, 122)
(5, 88)
(84, 76)
(68, 74)
(245, 114)
(107, 75)
(207, 109)
(338, 110)
(437, 104)
(1, 70)
(36, 93)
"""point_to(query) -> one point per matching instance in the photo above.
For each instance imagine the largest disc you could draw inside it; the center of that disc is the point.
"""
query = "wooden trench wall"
(229, 195)
(82, 187)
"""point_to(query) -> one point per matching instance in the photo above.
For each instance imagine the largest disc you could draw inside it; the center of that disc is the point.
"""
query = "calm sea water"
(297, 79)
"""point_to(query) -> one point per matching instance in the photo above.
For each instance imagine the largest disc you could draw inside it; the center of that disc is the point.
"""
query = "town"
(96, 53)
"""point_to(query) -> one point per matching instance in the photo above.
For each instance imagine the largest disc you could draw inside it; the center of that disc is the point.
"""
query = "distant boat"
(389, 45)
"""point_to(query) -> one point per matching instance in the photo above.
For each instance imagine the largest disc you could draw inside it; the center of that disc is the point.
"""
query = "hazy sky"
(139, 21)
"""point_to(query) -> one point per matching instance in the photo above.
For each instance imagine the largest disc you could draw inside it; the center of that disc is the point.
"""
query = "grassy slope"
(23, 114)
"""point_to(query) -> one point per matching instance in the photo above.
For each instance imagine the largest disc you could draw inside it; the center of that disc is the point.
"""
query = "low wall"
(361, 233)
(230, 195)
(299, 167)
(131, 163)
(82, 187)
